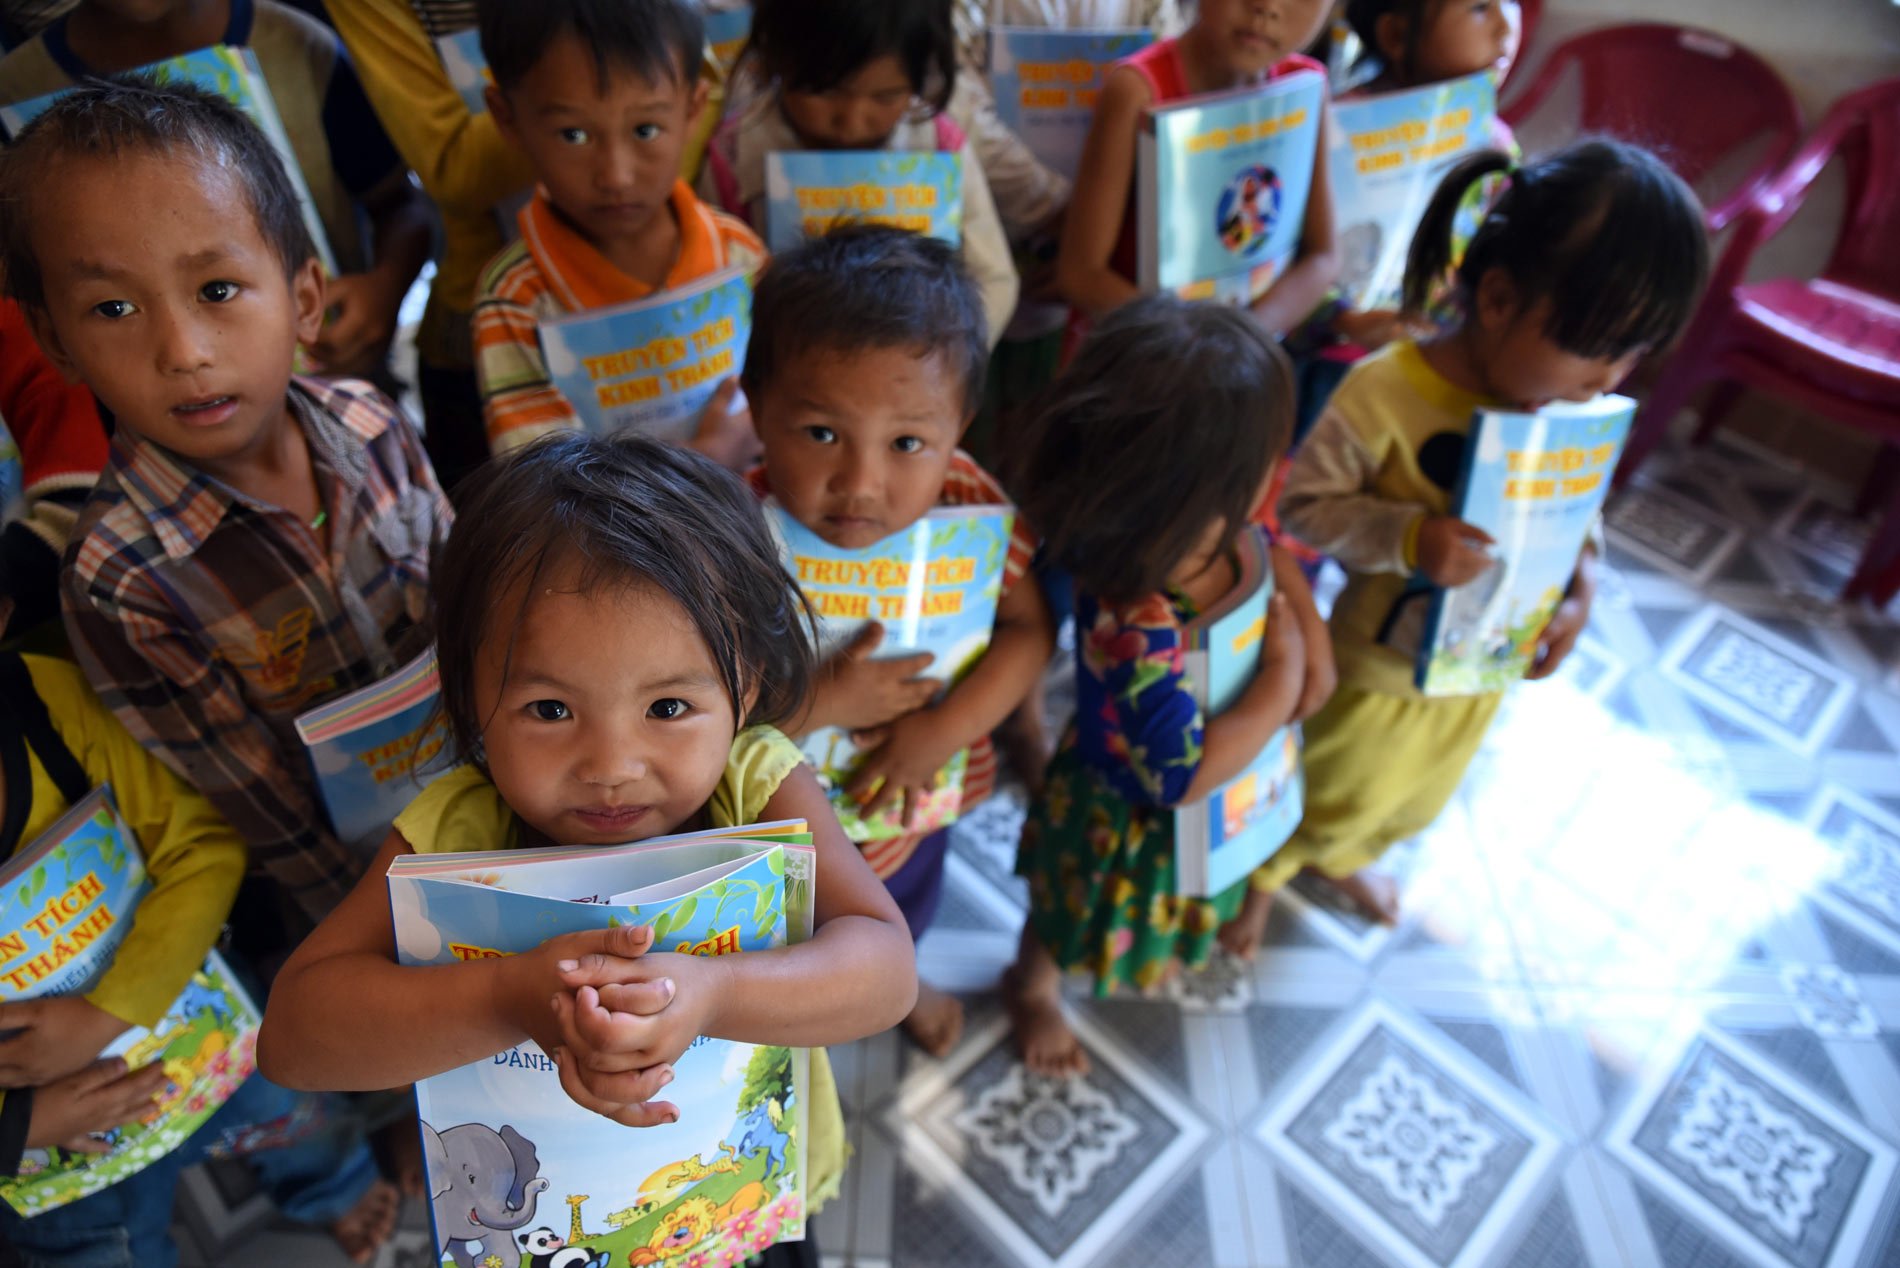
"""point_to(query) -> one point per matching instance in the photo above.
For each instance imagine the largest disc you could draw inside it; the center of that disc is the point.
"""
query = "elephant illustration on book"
(483, 1185)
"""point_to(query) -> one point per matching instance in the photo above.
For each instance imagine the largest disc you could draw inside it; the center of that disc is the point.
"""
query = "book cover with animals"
(1222, 182)
(1046, 81)
(651, 364)
(228, 72)
(375, 748)
(1238, 826)
(515, 1168)
(934, 587)
(810, 192)
(66, 902)
(1386, 155)
(1536, 483)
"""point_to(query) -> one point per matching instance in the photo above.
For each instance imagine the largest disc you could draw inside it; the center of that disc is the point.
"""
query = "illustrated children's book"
(809, 192)
(1222, 183)
(726, 33)
(1238, 826)
(507, 1150)
(374, 749)
(461, 54)
(651, 364)
(1387, 155)
(1046, 81)
(1535, 482)
(934, 587)
(66, 902)
(228, 72)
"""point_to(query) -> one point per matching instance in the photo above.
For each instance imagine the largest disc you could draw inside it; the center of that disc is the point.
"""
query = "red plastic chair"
(1530, 14)
(1830, 344)
(1690, 96)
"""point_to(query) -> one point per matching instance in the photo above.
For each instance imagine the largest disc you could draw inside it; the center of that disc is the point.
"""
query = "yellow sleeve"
(195, 859)
(460, 811)
(761, 758)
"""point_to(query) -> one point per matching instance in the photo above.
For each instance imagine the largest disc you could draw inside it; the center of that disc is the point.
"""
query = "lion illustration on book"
(691, 1222)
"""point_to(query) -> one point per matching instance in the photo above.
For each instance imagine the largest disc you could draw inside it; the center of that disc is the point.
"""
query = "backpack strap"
(24, 703)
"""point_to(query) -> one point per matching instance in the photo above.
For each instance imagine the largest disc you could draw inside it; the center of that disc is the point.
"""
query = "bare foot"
(1375, 894)
(1241, 936)
(400, 1145)
(936, 1022)
(362, 1230)
(1032, 989)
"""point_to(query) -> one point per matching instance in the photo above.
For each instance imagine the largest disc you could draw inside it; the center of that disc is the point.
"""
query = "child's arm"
(356, 334)
(1321, 673)
(985, 248)
(1231, 739)
(519, 400)
(915, 747)
(1084, 271)
(1298, 291)
(1566, 623)
(854, 690)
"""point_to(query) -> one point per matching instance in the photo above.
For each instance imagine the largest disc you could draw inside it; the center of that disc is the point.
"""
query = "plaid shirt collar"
(184, 506)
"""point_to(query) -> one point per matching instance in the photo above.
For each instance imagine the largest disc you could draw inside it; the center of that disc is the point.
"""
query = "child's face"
(608, 157)
(1522, 366)
(605, 718)
(164, 298)
(857, 444)
(1257, 34)
(1463, 37)
(859, 113)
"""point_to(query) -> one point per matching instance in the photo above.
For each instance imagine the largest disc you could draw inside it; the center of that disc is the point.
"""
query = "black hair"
(1170, 415)
(661, 41)
(867, 286)
(1601, 228)
(134, 114)
(633, 512)
(815, 45)
(1363, 17)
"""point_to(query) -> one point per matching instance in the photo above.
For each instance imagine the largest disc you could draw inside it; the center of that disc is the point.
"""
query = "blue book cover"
(1386, 156)
(1046, 81)
(66, 904)
(12, 477)
(461, 54)
(934, 587)
(1536, 483)
(651, 365)
(727, 31)
(229, 72)
(1222, 184)
(808, 192)
(1237, 827)
(508, 1151)
(375, 748)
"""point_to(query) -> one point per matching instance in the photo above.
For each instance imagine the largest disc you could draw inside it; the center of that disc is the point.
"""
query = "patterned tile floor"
(1643, 1007)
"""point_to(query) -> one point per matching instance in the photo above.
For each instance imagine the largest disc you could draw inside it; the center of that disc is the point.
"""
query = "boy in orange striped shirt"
(600, 95)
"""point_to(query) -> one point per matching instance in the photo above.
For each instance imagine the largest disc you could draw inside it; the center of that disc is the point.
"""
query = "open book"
(374, 749)
(507, 1150)
(1536, 483)
(934, 587)
(809, 192)
(66, 903)
(1046, 81)
(1238, 826)
(1222, 183)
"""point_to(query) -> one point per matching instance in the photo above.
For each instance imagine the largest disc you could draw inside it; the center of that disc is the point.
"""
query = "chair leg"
(1722, 398)
(1878, 576)
(1880, 480)
(1674, 386)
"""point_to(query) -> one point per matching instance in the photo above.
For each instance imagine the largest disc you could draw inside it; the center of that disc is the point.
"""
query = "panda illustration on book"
(544, 1248)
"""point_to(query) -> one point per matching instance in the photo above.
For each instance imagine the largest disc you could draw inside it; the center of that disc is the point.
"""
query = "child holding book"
(257, 543)
(1231, 44)
(1592, 257)
(618, 644)
(859, 75)
(601, 96)
(865, 367)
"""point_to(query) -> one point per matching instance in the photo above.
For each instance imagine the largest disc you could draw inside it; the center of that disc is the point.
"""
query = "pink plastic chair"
(1690, 96)
(1830, 344)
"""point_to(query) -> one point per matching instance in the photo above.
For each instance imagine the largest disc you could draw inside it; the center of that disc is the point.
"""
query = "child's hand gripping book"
(651, 364)
(231, 73)
(1386, 156)
(66, 902)
(934, 587)
(1047, 80)
(1536, 483)
(1238, 826)
(373, 750)
(808, 192)
(505, 1147)
(1222, 185)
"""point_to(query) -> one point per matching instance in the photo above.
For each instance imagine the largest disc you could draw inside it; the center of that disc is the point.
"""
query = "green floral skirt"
(1101, 883)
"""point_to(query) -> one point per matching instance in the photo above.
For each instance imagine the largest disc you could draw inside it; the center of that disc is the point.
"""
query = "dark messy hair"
(1602, 229)
(815, 45)
(867, 286)
(633, 512)
(1363, 17)
(1171, 414)
(134, 114)
(661, 41)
